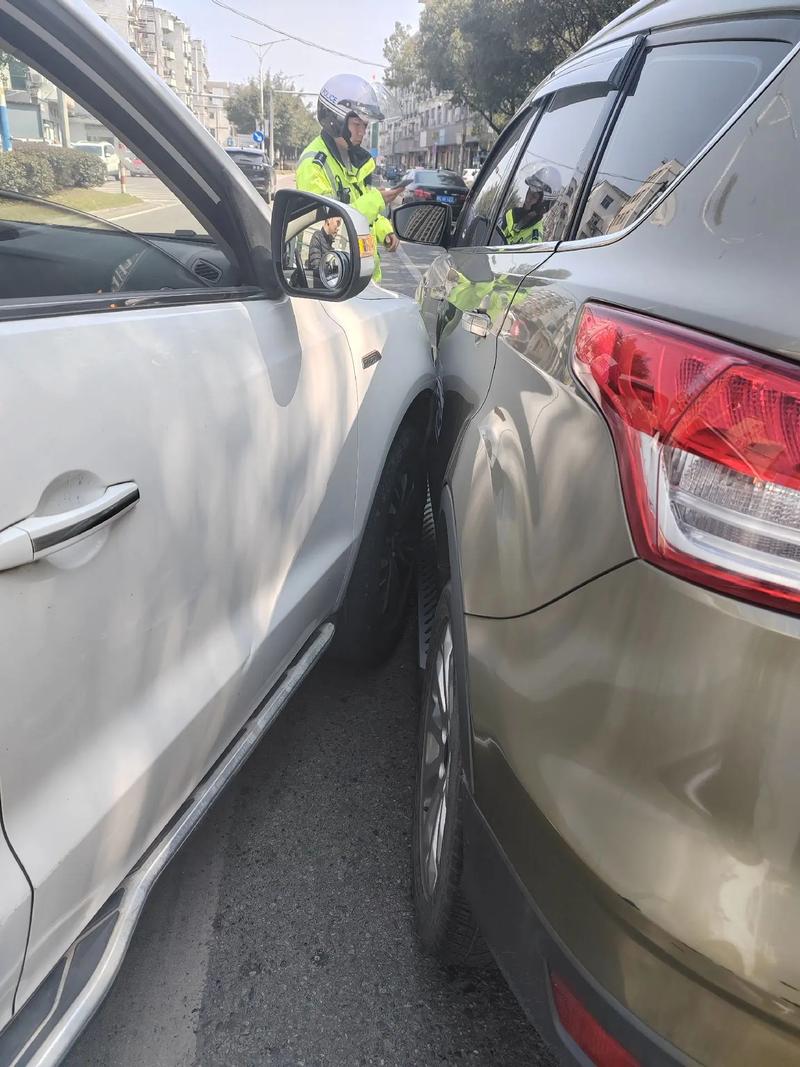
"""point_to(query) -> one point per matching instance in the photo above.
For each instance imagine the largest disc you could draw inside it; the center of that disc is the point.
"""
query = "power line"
(299, 40)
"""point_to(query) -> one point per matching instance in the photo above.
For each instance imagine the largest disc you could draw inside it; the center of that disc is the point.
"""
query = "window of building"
(681, 97)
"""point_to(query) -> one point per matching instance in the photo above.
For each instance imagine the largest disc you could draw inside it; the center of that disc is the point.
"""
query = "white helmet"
(341, 97)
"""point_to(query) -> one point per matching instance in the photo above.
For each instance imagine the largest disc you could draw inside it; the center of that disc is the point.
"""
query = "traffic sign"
(258, 136)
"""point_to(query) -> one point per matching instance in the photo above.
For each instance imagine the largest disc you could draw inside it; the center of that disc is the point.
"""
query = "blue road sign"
(258, 136)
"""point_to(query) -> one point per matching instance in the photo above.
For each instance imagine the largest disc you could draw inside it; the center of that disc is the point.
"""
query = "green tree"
(294, 124)
(489, 54)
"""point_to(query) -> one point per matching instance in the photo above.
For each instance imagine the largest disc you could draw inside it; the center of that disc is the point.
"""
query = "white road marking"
(409, 264)
(145, 211)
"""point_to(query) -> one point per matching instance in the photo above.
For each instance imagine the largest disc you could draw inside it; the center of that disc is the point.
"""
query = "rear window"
(246, 157)
(681, 98)
(439, 177)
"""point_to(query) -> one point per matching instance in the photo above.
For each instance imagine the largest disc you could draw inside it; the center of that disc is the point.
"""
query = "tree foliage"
(294, 124)
(489, 54)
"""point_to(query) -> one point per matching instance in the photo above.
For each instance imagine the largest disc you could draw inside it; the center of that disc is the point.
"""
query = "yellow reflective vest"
(514, 235)
(321, 170)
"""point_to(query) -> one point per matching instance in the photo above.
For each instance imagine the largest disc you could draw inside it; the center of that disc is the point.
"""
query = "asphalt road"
(283, 935)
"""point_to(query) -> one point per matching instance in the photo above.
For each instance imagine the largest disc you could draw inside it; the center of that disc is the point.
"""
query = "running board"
(50, 1022)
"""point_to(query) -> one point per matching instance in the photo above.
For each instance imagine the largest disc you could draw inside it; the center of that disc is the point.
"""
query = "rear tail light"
(707, 436)
(587, 1033)
(423, 194)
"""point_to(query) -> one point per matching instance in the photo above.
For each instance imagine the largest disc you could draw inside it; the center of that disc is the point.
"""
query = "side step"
(50, 1022)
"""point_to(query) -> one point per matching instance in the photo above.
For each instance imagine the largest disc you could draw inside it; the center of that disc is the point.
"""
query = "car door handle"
(478, 323)
(39, 536)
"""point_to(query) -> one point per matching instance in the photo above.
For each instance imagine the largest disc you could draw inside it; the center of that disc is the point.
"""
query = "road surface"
(282, 935)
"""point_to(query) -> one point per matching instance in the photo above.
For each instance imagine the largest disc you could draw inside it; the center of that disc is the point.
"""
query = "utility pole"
(5, 128)
(271, 123)
(63, 117)
(261, 48)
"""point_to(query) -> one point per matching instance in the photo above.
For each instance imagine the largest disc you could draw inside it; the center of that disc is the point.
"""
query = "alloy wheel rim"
(435, 779)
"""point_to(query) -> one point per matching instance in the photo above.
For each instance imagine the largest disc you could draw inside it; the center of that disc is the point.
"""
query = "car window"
(681, 97)
(68, 224)
(476, 218)
(539, 201)
(443, 178)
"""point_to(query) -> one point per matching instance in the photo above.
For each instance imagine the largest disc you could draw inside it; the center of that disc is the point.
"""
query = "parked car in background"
(252, 162)
(106, 151)
(136, 167)
(470, 175)
(440, 186)
(226, 476)
(608, 784)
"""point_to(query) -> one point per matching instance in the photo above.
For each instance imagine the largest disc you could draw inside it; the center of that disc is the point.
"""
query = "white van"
(107, 153)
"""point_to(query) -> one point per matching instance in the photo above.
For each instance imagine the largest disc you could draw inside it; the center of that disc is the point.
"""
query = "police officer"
(523, 225)
(336, 165)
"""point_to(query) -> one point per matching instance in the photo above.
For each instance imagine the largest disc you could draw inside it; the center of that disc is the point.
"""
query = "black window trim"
(663, 38)
(51, 307)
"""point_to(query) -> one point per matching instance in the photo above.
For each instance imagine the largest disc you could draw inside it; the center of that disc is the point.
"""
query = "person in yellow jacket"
(524, 225)
(336, 165)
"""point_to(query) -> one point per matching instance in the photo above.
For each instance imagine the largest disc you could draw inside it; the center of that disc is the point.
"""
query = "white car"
(106, 151)
(470, 175)
(211, 471)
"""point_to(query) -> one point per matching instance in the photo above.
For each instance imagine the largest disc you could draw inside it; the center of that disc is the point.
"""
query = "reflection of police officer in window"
(523, 225)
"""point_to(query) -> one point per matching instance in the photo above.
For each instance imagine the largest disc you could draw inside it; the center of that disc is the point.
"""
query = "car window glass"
(68, 225)
(476, 219)
(680, 99)
(542, 192)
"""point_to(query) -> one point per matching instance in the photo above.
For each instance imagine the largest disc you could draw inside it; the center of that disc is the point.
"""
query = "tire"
(375, 607)
(445, 923)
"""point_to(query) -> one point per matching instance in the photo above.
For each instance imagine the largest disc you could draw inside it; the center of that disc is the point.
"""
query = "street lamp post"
(261, 48)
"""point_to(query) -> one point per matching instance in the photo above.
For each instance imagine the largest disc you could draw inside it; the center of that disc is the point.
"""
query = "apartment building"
(431, 131)
(217, 122)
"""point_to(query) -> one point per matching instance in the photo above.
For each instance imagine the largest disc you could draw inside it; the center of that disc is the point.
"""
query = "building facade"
(217, 122)
(430, 131)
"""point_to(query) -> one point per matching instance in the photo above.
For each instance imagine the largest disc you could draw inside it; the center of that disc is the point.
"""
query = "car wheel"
(374, 612)
(445, 921)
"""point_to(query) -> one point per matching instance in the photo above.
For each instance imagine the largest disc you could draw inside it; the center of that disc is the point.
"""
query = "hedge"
(38, 169)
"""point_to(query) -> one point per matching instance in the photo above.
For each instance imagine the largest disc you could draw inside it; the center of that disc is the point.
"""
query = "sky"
(358, 27)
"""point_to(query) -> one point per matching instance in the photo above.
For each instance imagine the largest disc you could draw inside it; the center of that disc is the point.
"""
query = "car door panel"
(468, 280)
(15, 913)
(154, 638)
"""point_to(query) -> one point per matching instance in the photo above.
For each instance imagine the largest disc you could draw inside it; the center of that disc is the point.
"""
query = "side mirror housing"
(424, 224)
(321, 249)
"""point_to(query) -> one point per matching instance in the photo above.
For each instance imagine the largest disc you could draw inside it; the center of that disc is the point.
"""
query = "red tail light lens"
(587, 1033)
(708, 440)
(423, 194)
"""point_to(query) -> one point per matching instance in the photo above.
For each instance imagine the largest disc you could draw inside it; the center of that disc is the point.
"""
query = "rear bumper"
(635, 754)
(528, 951)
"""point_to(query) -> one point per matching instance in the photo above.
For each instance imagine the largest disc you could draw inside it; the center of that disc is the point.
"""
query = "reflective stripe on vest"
(325, 166)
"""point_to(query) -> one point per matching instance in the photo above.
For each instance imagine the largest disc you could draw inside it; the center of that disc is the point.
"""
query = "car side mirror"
(424, 224)
(321, 249)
